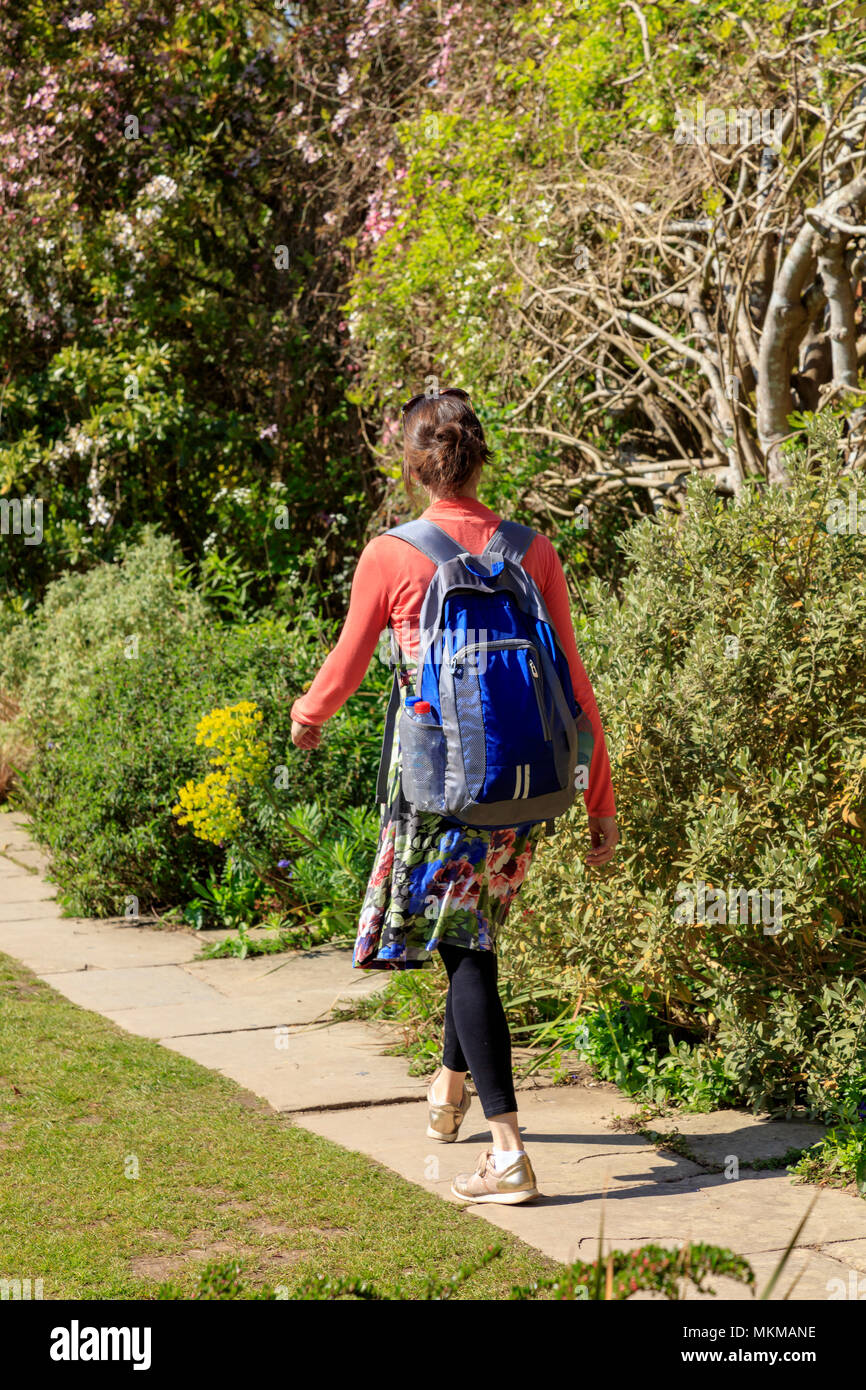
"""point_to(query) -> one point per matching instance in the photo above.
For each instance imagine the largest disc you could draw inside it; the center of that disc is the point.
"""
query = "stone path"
(267, 1023)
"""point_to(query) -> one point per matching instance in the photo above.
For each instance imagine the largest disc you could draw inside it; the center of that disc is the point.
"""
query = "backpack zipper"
(536, 685)
(517, 643)
(457, 659)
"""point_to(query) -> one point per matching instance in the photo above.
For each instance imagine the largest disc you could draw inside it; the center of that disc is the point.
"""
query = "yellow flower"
(231, 732)
(212, 807)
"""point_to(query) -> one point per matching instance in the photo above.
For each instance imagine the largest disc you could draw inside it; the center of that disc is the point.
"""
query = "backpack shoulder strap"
(512, 539)
(429, 538)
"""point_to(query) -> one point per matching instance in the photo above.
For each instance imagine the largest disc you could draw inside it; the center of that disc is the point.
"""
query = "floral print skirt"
(436, 880)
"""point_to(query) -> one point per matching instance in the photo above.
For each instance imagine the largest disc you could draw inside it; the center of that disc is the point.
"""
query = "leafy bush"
(241, 804)
(629, 1045)
(730, 679)
(839, 1159)
(226, 900)
(105, 776)
(53, 657)
(331, 856)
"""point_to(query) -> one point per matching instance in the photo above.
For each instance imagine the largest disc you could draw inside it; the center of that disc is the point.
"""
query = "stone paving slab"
(27, 888)
(647, 1196)
(337, 1065)
(581, 1160)
(27, 862)
(51, 945)
(30, 911)
(15, 832)
(133, 987)
(713, 1139)
(304, 984)
(851, 1253)
(190, 1018)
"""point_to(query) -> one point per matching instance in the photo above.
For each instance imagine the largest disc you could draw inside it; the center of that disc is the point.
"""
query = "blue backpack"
(504, 742)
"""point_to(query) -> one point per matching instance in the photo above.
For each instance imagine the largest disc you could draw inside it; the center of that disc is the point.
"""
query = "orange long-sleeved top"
(390, 581)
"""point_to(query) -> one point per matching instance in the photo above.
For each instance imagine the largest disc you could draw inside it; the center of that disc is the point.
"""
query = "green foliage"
(108, 763)
(488, 204)
(313, 896)
(627, 1044)
(837, 1160)
(652, 1268)
(614, 1278)
(243, 943)
(62, 651)
(738, 764)
(168, 328)
(225, 900)
(331, 854)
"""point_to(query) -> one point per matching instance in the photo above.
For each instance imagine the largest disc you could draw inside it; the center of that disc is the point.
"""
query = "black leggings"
(476, 1032)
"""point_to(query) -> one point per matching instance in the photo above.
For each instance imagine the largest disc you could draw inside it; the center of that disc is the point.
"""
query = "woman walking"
(436, 884)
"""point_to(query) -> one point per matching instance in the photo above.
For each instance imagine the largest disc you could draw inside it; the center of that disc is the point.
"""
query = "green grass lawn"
(220, 1175)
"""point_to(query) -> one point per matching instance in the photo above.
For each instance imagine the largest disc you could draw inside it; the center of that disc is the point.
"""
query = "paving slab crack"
(108, 969)
(298, 1027)
(348, 1105)
(617, 1153)
(30, 869)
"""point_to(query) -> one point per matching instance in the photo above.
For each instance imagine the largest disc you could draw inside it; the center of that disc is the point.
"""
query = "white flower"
(308, 149)
(297, 109)
(344, 82)
(97, 506)
(76, 442)
(83, 21)
(341, 118)
(147, 216)
(160, 187)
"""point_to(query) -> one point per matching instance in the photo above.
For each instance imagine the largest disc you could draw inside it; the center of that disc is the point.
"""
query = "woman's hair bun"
(452, 434)
(444, 444)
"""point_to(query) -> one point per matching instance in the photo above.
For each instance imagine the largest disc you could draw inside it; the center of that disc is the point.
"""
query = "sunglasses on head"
(436, 395)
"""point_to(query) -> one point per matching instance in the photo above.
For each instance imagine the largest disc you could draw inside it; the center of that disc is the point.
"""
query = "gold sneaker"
(512, 1185)
(444, 1120)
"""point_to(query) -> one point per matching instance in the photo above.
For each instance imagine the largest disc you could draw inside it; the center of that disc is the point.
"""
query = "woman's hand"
(604, 834)
(306, 735)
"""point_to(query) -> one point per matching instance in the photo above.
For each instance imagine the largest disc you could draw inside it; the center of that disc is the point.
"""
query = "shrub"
(104, 778)
(730, 679)
(241, 803)
(49, 660)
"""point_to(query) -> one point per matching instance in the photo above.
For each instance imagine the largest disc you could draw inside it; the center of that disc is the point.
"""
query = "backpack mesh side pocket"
(422, 757)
